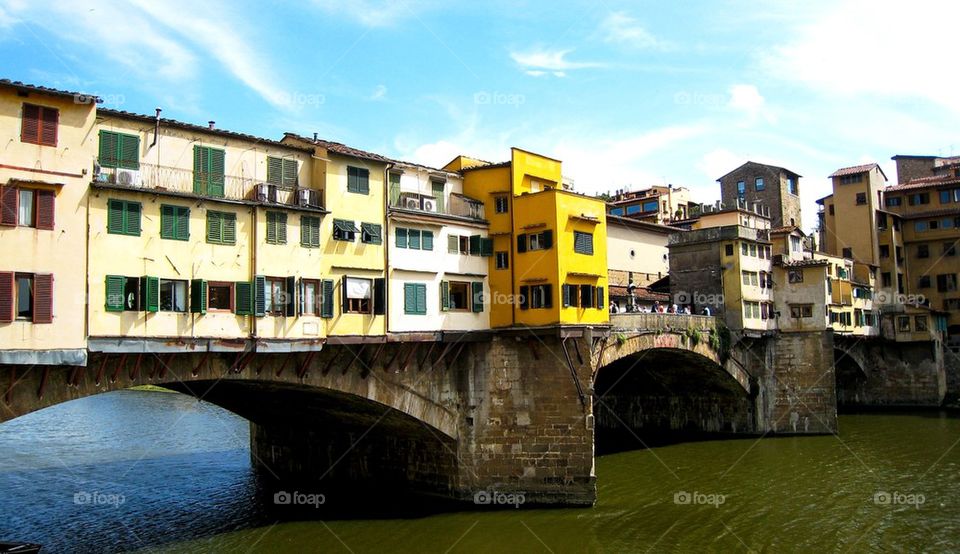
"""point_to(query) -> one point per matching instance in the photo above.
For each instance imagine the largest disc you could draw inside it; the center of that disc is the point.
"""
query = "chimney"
(314, 136)
(212, 124)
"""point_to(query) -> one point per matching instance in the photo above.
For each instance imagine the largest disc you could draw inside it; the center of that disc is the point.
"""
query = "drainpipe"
(386, 248)
(156, 129)
(253, 267)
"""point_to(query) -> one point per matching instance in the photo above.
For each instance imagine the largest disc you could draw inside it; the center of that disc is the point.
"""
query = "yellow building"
(353, 254)
(44, 170)
(198, 233)
(550, 259)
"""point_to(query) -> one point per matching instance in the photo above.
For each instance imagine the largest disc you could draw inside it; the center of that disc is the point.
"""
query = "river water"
(160, 472)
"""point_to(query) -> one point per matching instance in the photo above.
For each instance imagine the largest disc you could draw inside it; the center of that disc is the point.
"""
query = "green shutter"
(259, 296)
(475, 245)
(214, 228)
(229, 228)
(426, 240)
(409, 298)
(114, 293)
(108, 149)
(379, 296)
(363, 180)
(290, 306)
(438, 192)
(421, 291)
(168, 225)
(521, 243)
(524, 297)
(444, 295)
(565, 293)
(281, 224)
(326, 298)
(486, 247)
(305, 233)
(394, 179)
(477, 296)
(414, 239)
(244, 301)
(217, 169)
(547, 295)
(290, 172)
(370, 233)
(129, 151)
(601, 299)
(199, 169)
(274, 170)
(271, 227)
(198, 296)
(453, 244)
(352, 179)
(115, 213)
(183, 223)
(547, 239)
(401, 239)
(132, 219)
(150, 287)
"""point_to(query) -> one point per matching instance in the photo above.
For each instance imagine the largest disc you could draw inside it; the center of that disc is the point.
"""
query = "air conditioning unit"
(411, 203)
(308, 198)
(266, 192)
(128, 178)
(428, 204)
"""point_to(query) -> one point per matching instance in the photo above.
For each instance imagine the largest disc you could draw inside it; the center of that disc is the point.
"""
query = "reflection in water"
(182, 470)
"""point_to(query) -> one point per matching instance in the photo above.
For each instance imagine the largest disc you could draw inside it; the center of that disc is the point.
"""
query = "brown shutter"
(30, 124)
(8, 205)
(45, 209)
(49, 120)
(43, 298)
(6, 296)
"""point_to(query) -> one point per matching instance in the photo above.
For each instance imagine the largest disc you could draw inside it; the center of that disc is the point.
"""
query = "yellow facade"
(535, 223)
(60, 168)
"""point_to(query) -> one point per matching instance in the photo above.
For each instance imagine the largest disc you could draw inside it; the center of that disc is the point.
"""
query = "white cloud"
(379, 93)
(748, 100)
(620, 28)
(861, 48)
(373, 13)
(719, 162)
(539, 61)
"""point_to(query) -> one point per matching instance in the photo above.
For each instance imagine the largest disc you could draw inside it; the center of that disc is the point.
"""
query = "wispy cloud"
(375, 13)
(540, 61)
(747, 99)
(379, 93)
(622, 29)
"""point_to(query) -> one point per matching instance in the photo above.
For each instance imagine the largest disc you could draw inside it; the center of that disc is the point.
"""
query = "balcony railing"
(185, 182)
(454, 204)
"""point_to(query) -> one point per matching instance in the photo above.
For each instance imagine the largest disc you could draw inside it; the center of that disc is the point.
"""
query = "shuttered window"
(174, 222)
(282, 171)
(39, 125)
(208, 171)
(6, 296)
(221, 228)
(123, 217)
(198, 296)
(415, 298)
(244, 301)
(358, 180)
(276, 228)
(371, 233)
(477, 300)
(583, 243)
(309, 231)
(27, 207)
(326, 298)
(119, 150)
(414, 239)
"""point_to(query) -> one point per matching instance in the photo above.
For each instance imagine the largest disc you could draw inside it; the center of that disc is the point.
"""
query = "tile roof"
(80, 97)
(785, 229)
(488, 166)
(343, 149)
(776, 167)
(924, 182)
(853, 170)
(804, 263)
(192, 127)
(931, 213)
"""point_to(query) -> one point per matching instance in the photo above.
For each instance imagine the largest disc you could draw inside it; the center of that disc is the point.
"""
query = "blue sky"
(627, 94)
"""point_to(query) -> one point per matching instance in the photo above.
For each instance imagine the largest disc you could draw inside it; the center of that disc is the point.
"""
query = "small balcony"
(176, 181)
(454, 204)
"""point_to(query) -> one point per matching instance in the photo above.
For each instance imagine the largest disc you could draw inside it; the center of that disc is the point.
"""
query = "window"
(886, 279)
(798, 311)
(282, 171)
(370, 233)
(309, 296)
(946, 282)
(918, 198)
(208, 171)
(861, 198)
(792, 186)
(751, 310)
(750, 278)
(586, 296)
(884, 250)
(923, 251)
(459, 299)
(535, 241)
(945, 197)
(123, 217)
(343, 230)
(220, 297)
(277, 228)
(119, 150)
(796, 244)
(415, 298)
(310, 231)
(501, 204)
(414, 239)
(582, 243)
(920, 323)
(744, 249)
(850, 179)
(741, 189)
(358, 180)
(536, 297)
(795, 276)
(924, 282)
(847, 252)
(357, 295)
(503, 260)
(831, 209)
(27, 207)
(173, 295)
(753, 250)
(949, 249)
(933, 224)
(758, 184)
(893, 201)
(648, 206)
(276, 296)
(25, 296)
(616, 211)
(728, 249)
(39, 125)
(903, 324)
(881, 221)
(174, 222)
(221, 227)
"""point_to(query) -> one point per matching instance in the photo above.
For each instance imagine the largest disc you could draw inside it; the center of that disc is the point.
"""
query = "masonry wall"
(881, 373)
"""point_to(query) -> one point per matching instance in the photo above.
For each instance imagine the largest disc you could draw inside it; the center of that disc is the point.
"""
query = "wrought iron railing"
(453, 204)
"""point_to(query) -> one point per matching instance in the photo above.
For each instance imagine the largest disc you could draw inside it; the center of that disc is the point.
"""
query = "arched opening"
(667, 395)
(851, 379)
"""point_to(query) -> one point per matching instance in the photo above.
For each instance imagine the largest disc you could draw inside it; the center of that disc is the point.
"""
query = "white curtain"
(358, 288)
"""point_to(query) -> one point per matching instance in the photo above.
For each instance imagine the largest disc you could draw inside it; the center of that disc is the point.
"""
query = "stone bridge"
(516, 410)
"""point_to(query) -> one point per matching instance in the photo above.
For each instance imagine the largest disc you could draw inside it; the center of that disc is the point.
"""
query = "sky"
(626, 94)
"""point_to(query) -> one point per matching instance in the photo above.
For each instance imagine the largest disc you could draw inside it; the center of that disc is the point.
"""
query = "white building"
(437, 255)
